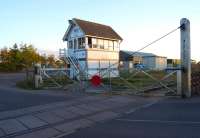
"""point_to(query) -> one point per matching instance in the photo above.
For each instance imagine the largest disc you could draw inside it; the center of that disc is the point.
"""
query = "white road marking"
(140, 107)
(160, 121)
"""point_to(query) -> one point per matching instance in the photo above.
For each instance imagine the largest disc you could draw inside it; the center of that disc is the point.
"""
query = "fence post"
(178, 73)
(37, 75)
(99, 64)
(109, 75)
(185, 58)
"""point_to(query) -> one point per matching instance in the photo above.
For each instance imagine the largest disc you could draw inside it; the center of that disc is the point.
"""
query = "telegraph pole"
(185, 58)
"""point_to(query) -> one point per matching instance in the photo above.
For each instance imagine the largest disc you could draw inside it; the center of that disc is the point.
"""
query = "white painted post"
(185, 58)
(37, 76)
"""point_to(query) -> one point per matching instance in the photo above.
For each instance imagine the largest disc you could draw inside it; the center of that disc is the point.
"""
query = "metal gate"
(137, 81)
(55, 77)
(141, 80)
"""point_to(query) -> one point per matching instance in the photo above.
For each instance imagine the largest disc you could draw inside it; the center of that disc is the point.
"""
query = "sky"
(139, 22)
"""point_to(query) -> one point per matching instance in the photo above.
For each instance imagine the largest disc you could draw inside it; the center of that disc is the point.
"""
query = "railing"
(53, 75)
(63, 53)
(74, 62)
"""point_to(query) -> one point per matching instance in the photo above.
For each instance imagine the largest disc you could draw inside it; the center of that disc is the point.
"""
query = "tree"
(22, 57)
(29, 55)
(59, 63)
(15, 58)
(51, 61)
(4, 55)
(4, 59)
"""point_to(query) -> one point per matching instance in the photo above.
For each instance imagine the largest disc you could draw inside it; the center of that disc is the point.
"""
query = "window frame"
(70, 44)
(100, 43)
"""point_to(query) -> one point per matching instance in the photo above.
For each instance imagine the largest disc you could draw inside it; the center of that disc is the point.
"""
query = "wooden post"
(185, 58)
(37, 75)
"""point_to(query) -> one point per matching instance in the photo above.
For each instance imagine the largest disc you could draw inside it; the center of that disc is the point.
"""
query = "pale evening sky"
(44, 22)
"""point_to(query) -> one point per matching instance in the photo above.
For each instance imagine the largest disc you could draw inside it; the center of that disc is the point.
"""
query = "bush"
(26, 84)
(195, 67)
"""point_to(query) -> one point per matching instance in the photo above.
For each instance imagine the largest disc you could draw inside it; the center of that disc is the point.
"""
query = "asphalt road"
(13, 98)
(170, 118)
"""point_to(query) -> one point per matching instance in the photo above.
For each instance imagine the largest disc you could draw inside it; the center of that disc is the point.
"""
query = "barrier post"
(185, 58)
(37, 75)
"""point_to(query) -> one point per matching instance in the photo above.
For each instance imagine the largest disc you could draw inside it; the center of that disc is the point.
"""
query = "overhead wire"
(156, 40)
(151, 43)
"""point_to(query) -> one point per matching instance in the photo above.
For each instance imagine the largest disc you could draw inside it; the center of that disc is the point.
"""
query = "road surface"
(13, 98)
(170, 118)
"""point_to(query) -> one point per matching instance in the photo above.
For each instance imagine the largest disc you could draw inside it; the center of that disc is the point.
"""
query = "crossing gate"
(138, 81)
(55, 77)
(143, 81)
